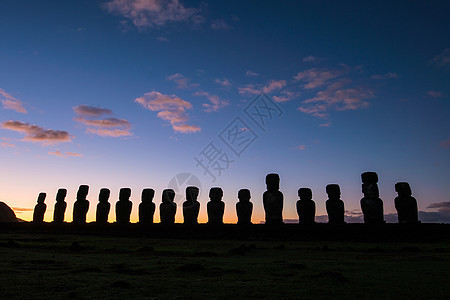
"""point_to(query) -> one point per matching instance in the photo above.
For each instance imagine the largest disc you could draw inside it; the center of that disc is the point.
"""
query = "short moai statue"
(244, 207)
(215, 207)
(334, 204)
(103, 206)
(60, 206)
(306, 208)
(81, 205)
(39, 209)
(124, 206)
(191, 206)
(273, 200)
(147, 207)
(405, 204)
(168, 208)
(371, 204)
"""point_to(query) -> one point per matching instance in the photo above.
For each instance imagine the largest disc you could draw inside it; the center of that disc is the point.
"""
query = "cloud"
(274, 85)
(251, 74)
(34, 133)
(91, 111)
(56, 153)
(152, 13)
(309, 59)
(9, 102)
(220, 25)
(109, 132)
(223, 82)
(435, 94)
(216, 102)
(21, 209)
(109, 122)
(171, 108)
(286, 96)
(251, 89)
(445, 144)
(5, 144)
(74, 154)
(315, 77)
(60, 154)
(181, 81)
(385, 76)
(442, 60)
(301, 147)
(162, 39)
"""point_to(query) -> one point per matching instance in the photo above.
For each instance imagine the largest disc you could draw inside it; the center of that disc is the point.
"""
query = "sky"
(165, 94)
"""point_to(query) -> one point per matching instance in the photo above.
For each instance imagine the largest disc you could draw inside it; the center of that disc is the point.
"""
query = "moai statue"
(334, 204)
(244, 207)
(306, 208)
(81, 205)
(60, 206)
(39, 209)
(215, 207)
(123, 206)
(191, 206)
(103, 206)
(405, 204)
(371, 204)
(168, 208)
(147, 207)
(273, 200)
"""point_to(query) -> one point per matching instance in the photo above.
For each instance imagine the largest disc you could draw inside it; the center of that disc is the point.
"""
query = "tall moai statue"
(191, 206)
(123, 206)
(215, 207)
(147, 207)
(306, 208)
(334, 204)
(168, 208)
(244, 207)
(371, 204)
(103, 206)
(60, 206)
(81, 205)
(405, 204)
(273, 200)
(39, 209)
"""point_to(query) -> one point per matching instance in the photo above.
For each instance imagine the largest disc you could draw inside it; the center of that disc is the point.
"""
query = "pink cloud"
(109, 132)
(286, 96)
(9, 102)
(309, 59)
(274, 85)
(91, 111)
(216, 102)
(5, 144)
(181, 80)
(184, 128)
(223, 82)
(220, 25)
(34, 133)
(251, 74)
(442, 60)
(435, 94)
(251, 89)
(385, 76)
(58, 153)
(110, 122)
(315, 78)
(445, 144)
(301, 147)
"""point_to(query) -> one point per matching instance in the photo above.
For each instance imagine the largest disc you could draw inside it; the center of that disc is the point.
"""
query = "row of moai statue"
(371, 204)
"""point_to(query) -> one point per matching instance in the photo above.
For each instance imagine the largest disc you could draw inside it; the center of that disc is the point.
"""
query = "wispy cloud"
(109, 132)
(67, 154)
(91, 111)
(220, 25)
(223, 82)
(274, 85)
(435, 94)
(170, 108)
(252, 89)
(309, 58)
(5, 144)
(34, 133)
(181, 81)
(315, 78)
(445, 144)
(162, 39)
(286, 96)
(251, 74)
(385, 76)
(9, 102)
(216, 102)
(301, 147)
(442, 60)
(56, 153)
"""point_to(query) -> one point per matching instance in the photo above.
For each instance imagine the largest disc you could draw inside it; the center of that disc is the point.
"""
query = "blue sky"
(128, 93)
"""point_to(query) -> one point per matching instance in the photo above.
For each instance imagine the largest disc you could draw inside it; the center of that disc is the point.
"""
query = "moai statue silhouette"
(123, 206)
(147, 207)
(273, 200)
(371, 204)
(39, 209)
(168, 208)
(215, 207)
(334, 204)
(244, 207)
(103, 206)
(405, 204)
(306, 208)
(191, 206)
(81, 205)
(60, 206)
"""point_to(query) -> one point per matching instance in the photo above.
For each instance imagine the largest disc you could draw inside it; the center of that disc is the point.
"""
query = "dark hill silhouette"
(6, 213)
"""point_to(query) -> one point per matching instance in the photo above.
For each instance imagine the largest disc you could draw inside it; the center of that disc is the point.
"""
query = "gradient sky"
(129, 93)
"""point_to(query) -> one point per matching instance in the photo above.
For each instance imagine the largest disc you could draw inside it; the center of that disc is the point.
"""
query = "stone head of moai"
(244, 195)
(333, 191)
(305, 194)
(215, 194)
(147, 195)
(41, 197)
(273, 182)
(192, 193)
(403, 189)
(124, 194)
(83, 190)
(61, 195)
(369, 186)
(103, 196)
(369, 177)
(168, 195)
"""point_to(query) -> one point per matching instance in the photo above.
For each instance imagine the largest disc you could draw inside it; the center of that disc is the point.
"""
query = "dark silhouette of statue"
(306, 208)
(81, 205)
(215, 207)
(167, 208)
(191, 206)
(244, 207)
(39, 209)
(147, 207)
(103, 206)
(123, 206)
(60, 206)
(405, 204)
(371, 204)
(273, 200)
(334, 204)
